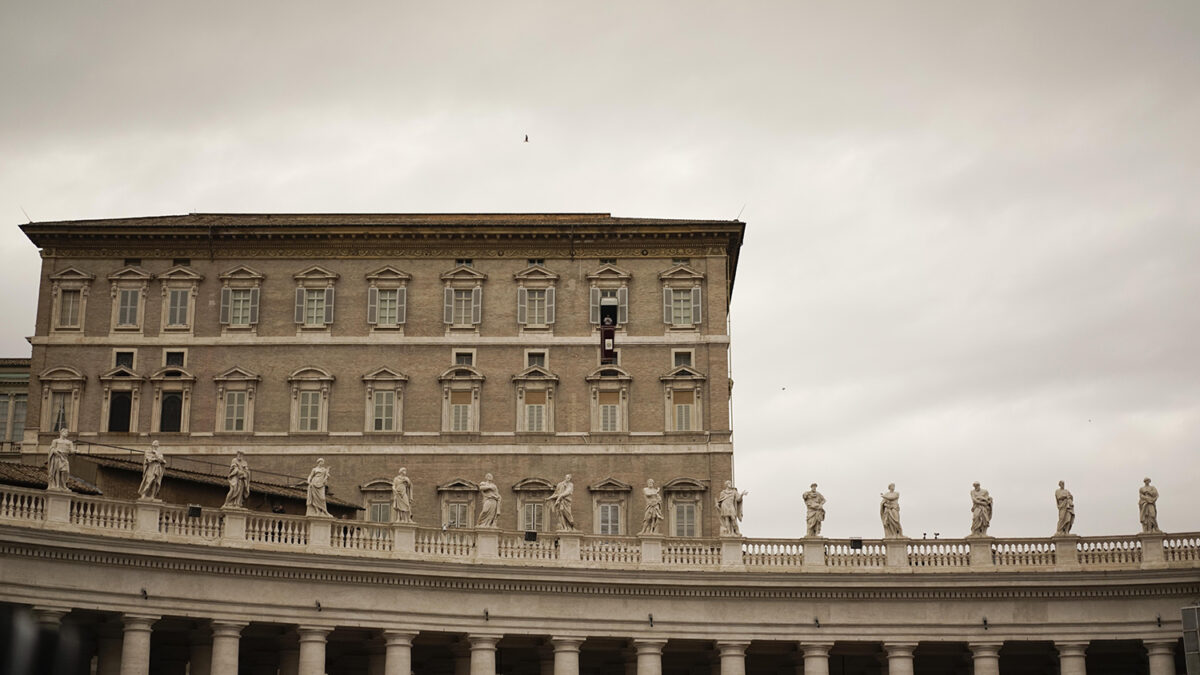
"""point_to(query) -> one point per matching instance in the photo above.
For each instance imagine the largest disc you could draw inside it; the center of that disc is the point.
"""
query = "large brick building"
(453, 345)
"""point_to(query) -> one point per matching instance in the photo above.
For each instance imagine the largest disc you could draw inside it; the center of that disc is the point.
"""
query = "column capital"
(815, 648)
(399, 637)
(1072, 647)
(1160, 647)
(49, 617)
(223, 628)
(313, 633)
(566, 643)
(649, 645)
(899, 649)
(733, 647)
(483, 640)
(984, 649)
(139, 622)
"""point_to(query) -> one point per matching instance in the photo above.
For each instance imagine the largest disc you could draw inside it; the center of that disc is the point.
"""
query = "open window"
(122, 389)
(608, 296)
(62, 387)
(172, 400)
(683, 297)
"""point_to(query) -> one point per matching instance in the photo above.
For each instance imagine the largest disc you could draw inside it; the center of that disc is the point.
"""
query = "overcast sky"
(972, 243)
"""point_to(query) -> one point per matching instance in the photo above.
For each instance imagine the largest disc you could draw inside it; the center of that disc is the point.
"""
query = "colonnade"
(219, 655)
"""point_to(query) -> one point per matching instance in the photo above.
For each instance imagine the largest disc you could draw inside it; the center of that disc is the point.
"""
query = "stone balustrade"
(254, 530)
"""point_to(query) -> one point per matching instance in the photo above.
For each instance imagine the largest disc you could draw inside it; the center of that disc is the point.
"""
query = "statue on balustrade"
(1148, 506)
(1066, 509)
(58, 466)
(654, 514)
(239, 482)
(560, 501)
(153, 466)
(318, 478)
(889, 512)
(729, 507)
(402, 496)
(815, 503)
(981, 511)
(491, 502)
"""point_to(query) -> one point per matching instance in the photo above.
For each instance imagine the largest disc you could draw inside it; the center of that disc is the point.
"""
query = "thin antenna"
(26, 214)
(739, 215)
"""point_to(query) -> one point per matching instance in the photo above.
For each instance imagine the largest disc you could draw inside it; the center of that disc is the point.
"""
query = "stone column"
(1162, 657)
(49, 618)
(312, 649)
(733, 657)
(135, 646)
(483, 654)
(986, 658)
(376, 664)
(289, 662)
(397, 658)
(200, 652)
(108, 656)
(649, 656)
(226, 639)
(1071, 658)
(816, 657)
(566, 655)
(900, 657)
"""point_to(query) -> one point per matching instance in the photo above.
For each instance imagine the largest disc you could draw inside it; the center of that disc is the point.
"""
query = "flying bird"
(526, 138)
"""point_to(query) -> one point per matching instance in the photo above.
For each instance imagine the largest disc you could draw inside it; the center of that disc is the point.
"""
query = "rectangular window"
(314, 307)
(381, 512)
(535, 306)
(310, 411)
(533, 514)
(608, 261)
(610, 519)
(120, 408)
(681, 307)
(60, 410)
(17, 428)
(610, 407)
(123, 359)
(683, 359)
(4, 417)
(239, 306)
(464, 358)
(460, 411)
(681, 261)
(464, 262)
(127, 310)
(684, 402)
(462, 307)
(388, 306)
(130, 262)
(68, 309)
(535, 411)
(457, 516)
(177, 307)
(685, 520)
(537, 261)
(235, 411)
(170, 417)
(174, 358)
(178, 262)
(385, 411)
(535, 359)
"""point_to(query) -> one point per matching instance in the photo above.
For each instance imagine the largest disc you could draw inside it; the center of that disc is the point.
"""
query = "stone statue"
(981, 511)
(729, 506)
(58, 466)
(491, 503)
(239, 482)
(889, 512)
(402, 496)
(654, 512)
(318, 478)
(1066, 509)
(1148, 506)
(560, 501)
(153, 466)
(815, 503)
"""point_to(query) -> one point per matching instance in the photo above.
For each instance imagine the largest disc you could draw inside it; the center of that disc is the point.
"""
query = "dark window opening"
(181, 261)
(171, 415)
(120, 404)
(175, 359)
(133, 261)
(124, 359)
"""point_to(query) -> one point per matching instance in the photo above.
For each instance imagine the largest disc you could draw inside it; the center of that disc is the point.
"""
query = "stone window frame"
(384, 379)
(236, 379)
(683, 379)
(684, 490)
(121, 379)
(458, 379)
(535, 379)
(462, 278)
(532, 490)
(173, 350)
(611, 491)
(179, 278)
(680, 278)
(377, 492)
(70, 279)
(609, 277)
(314, 278)
(170, 379)
(117, 350)
(60, 379)
(458, 491)
(387, 278)
(605, 380)
(10, 400)
(691, 353)
(536, 278)
(310, 379)
(240, 278)
(129, 278)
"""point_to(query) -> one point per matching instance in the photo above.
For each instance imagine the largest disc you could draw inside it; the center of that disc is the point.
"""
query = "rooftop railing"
(253, 530)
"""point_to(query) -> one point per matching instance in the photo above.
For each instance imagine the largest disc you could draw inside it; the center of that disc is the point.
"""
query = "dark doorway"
(120, 403)
(170, 417)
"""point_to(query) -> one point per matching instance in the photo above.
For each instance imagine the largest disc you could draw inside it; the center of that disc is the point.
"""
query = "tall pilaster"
(135, 645)
(226, 640)
(900, 657)
(312, 649)
(1072, 658)
(397, 652)
(816, 657)
(649, 656)
(566, 655)
(986, 657)
(733, 657)
(483, 654)
(1162, 657)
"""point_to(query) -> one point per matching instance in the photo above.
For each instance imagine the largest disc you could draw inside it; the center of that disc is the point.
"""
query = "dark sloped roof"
(269, 489)
(26, 475)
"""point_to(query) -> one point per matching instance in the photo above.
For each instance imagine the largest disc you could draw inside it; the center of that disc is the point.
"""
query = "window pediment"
(173, 373)
(120, 373)
(181, 274)
(310, 374)
(536, 273)
(533, 484)
(458, 485)
(609, 273)
(610, 484)
(130, 274)
(681, 273)
(376, 484)
(463, 273)
(388, 273)
(241, 273)
(609, 373)
(684, 484)
(316, 273)
(684, 373)
(238, 374)
(61, 374)
(384, 374)
(536, 374)
(72, 274)
(467, 373)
